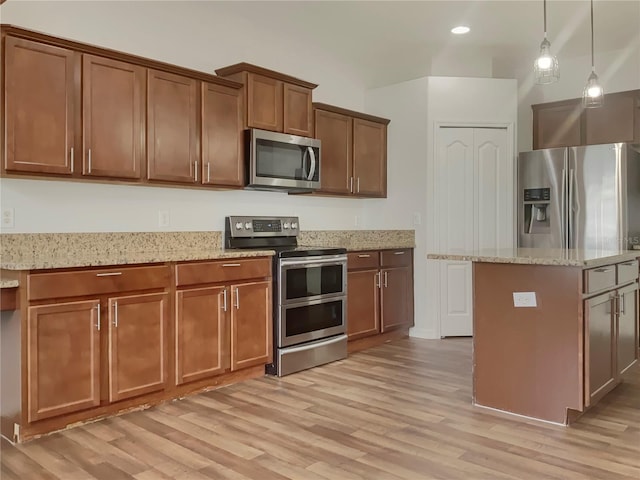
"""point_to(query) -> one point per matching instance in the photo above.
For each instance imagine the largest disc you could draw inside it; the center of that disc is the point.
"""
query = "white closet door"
(475, 208)
(456, 209)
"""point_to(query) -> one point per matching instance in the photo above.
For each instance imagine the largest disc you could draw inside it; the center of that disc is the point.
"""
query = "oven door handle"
(307, 262)
(312, 345)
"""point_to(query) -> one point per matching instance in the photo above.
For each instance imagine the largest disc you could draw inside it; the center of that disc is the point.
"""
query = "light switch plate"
(524, 299)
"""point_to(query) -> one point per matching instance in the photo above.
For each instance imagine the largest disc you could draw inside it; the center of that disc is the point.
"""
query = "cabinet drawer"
(627, 271)
(96, 282)
(598, 279)
(222, 271)
(359, 260)
(396, 258)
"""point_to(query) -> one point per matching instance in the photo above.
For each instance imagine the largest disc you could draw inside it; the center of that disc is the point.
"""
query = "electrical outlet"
(8, 218)
(164, 218)
(524, 299)
(417, 218)
(356, 220)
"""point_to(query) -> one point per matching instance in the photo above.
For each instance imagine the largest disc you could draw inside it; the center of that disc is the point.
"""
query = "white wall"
(198, 35)
(405, 104)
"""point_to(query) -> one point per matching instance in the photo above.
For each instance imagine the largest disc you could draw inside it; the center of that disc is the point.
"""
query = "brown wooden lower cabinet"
(380, 292)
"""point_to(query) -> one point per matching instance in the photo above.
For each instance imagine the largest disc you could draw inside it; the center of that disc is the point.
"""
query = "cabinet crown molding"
(248, 67)
(351, 113)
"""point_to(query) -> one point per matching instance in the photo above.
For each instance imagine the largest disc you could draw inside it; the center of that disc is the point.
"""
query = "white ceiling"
(404, 36)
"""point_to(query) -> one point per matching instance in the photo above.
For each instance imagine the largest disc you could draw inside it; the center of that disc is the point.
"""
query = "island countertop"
(540, 256)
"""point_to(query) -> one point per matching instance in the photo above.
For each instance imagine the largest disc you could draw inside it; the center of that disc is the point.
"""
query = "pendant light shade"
(546, 65)
(593, 94)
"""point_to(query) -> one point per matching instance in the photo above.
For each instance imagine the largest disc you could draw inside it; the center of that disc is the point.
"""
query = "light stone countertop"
(124, 258)
(540, 256)
(9, 283)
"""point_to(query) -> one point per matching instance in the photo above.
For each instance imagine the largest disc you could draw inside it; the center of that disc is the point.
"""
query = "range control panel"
(237, 227)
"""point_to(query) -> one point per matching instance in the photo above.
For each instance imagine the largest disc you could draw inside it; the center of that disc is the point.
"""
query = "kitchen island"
(554, 330)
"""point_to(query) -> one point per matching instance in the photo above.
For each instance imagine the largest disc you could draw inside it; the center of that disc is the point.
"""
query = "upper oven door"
(312, 278)
(280, 161)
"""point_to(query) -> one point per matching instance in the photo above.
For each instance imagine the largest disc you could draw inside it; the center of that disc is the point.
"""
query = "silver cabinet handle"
(208, 172)
(350, 184)
(603, 270)
(365, 255)
(89, 161)
(110, 274)
(621, 304)
(385, 279)
(237, 299)
(196, 169)
(115, 314)
(378, 279)
(629, 264)
(358, 185)
(231, 264)
(224, 300)
(71, 156)
(399, 253)
(98, 313)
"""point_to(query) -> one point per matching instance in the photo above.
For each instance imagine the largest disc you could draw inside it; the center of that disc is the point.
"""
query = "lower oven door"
(311, 320)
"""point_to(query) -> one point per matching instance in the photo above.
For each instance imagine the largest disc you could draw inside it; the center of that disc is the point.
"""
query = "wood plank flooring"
(398, 411)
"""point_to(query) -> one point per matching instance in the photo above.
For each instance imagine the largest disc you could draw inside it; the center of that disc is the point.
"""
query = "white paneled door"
(474, 192)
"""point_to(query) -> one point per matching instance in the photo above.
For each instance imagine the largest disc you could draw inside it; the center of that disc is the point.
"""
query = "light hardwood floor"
(399, 411)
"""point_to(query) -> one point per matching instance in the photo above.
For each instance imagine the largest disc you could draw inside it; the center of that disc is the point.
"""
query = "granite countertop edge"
(605, 259)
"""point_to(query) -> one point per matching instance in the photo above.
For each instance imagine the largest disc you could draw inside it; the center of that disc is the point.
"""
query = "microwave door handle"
(304, 163)
(312, 154)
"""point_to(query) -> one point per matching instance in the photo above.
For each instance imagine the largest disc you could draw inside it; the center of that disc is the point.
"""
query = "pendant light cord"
(544, 8)
(592, 62)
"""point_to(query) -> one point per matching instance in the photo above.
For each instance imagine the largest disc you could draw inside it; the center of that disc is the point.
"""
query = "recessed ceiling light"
(461, 30)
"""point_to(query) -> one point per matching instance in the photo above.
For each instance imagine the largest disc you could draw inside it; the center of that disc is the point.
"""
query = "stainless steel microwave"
(278, 161)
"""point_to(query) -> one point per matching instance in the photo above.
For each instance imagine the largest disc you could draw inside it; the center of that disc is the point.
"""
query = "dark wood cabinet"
(354, 152)
(222, 139)
(63, 361)
(566, 123)
(41, 107)
(112, 118)
(137, 345)
(251, 324)
(172, 127)
(380, 292)
(273, 101)
(202, 335)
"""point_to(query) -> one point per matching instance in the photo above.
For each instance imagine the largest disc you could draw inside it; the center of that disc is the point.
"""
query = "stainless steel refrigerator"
(580, 197)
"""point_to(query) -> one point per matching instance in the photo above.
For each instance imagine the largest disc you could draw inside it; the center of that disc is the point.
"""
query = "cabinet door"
(63, 358)
(557, 124)
(297, 110)
(599, 355)
(112, 118)
(395, 298)
(363, 303)
(618, 120)
(222, 135)
(172, 130)
(264, 103)
(335, 131)
(251, 325)
(627, 333)
(137, 345)
(369, 158)
(41, 99)
(202, 336)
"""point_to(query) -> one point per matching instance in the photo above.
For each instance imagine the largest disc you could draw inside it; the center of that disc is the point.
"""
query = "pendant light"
(593, 95)
(546, 65)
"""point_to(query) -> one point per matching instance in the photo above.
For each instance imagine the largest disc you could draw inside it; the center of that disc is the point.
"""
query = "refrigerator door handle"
(571, 243)
(563, 209)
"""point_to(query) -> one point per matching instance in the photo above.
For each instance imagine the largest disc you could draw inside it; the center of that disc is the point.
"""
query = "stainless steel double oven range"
(310, 292)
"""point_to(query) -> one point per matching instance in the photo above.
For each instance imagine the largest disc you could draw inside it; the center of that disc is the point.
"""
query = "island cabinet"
(354, 152)
(379, 293)
(273, 101)
(611, 321)
(79, 111)
(566, 123)
(223, 317)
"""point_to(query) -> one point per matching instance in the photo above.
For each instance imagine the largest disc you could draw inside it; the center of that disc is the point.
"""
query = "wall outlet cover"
(525, 300)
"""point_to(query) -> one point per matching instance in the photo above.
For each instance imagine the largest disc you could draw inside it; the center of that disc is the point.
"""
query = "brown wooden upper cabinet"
(75, 110)
(567, 123)
(354, 152)
(273, 101)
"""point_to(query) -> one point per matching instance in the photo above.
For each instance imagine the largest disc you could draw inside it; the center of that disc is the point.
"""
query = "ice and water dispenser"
(537, 210)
